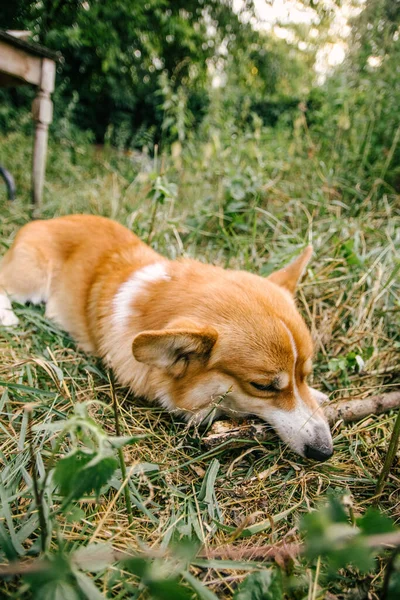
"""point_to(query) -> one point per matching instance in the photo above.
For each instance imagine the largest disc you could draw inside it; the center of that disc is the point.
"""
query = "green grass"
(251, 203)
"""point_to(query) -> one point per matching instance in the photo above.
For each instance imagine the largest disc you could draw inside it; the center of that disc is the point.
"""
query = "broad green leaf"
(169, 589)
(5, 511)
(207, 487)
(27, 528)
(56, 590)
(88, 587)
(201, 590)
(373, 522)
(74, 514)
(6, 544)
(80, 473)
(27, 389)
(54, 582)
(94, 557)
(394, 587)
(207, 490)
(261, 585)
(336, 510)
(354, 554)
(121, 441)
(67, 474)
(160, 588)
(137, 565)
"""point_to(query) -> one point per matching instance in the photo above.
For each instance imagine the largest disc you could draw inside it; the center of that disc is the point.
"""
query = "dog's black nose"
(319, 454)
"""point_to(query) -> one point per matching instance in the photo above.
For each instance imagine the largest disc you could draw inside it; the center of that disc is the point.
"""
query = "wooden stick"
(346, 411)
(282, 552)
(354, 410)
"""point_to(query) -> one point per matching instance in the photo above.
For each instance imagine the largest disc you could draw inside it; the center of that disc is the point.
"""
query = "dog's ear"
(289, 276)
(173, 349)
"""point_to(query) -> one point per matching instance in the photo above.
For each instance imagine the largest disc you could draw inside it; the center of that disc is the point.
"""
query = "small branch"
(354, 410)
(37, 565)
(383, 540)
(24, 568)
(282, 553)
(347, 411)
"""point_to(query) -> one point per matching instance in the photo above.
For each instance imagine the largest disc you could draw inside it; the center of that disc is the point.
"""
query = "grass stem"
(128, 502)
(390, 456)
(38, 495)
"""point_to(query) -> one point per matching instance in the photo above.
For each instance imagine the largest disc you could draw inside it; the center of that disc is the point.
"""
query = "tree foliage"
(113, 52)
(123, 62)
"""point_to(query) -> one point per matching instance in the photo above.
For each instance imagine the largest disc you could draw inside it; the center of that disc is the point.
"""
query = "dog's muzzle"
(321, 448)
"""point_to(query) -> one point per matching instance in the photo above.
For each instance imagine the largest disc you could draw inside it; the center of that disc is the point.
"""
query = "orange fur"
(194, 336)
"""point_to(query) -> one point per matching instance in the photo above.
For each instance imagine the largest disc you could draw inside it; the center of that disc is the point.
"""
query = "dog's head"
(240, 345)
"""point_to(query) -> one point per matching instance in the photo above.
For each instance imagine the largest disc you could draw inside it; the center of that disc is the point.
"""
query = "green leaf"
(354, 554)
(56, 590)
(94, 557)
(75, 514)
(201, 590)
(87, 586)
(166, 589)
(207, 487)
(394, 587)
(80, 473)
(124, 440)
(336, 510)
(54, 582)
(373, 521)
(138, 566)
(26, 388)
(6, 544)
(261, 585)
(67, 473)
(160, 588)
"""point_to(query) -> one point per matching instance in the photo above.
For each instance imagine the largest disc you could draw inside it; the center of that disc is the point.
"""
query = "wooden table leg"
(42, 111)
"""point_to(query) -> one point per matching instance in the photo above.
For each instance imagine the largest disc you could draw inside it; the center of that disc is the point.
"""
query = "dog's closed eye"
(270, 387)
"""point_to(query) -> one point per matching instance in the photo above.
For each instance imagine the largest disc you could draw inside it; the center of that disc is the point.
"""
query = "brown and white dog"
(200, 339)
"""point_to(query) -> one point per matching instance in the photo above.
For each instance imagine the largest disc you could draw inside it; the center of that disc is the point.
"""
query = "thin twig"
(281, 553)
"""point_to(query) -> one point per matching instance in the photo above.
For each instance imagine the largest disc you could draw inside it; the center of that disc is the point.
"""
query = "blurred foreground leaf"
(261, 585)
(80, 473)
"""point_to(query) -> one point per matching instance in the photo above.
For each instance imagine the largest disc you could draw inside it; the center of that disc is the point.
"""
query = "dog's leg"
(23, 278)
(8, 318)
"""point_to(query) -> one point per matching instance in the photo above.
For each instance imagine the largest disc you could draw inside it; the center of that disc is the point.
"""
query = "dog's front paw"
(318, 396)
(8, 318)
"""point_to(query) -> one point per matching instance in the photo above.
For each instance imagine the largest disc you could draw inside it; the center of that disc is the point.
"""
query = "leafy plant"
(261, 585)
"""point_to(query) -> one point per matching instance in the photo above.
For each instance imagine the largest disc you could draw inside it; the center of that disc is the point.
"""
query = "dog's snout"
(320, 446)
(317, 452)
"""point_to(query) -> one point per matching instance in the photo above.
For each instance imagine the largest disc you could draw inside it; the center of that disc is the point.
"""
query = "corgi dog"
(199, 339)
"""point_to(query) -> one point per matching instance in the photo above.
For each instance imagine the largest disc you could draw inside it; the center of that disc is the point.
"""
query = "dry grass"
(243, 207)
